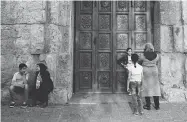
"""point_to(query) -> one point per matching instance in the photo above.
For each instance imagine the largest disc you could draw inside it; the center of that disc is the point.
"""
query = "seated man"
(19, 84)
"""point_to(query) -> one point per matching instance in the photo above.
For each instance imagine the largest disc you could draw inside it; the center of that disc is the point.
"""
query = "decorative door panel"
(104, 30)
(122, 40)
(85, 79)
(141, 30)
(104, 46)
(84, 47)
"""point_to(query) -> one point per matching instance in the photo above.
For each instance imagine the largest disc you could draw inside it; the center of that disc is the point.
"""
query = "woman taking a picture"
(150, 84)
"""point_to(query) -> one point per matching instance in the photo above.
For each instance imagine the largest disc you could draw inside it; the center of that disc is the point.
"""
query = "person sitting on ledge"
(43, 85)
(19, 85)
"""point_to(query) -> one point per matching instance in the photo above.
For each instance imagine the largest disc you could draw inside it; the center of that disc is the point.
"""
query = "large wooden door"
(104, 30)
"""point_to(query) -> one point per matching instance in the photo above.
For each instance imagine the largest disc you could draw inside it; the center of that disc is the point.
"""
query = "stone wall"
(43, 31)
(170, 41)
(38, 31)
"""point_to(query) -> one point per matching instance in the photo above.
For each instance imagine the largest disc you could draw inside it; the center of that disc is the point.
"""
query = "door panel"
(122, 40)
(104, 30)
(141, 30)
(85, 50)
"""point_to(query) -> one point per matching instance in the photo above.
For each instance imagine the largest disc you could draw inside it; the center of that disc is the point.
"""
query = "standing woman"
(150, 84)
(44, 84)
(126, 62)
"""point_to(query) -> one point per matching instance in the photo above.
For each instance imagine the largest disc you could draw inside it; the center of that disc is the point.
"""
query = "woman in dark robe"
(43, 86)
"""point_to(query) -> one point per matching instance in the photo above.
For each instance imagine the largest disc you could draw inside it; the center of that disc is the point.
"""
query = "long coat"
(150, 83)
(46, 86)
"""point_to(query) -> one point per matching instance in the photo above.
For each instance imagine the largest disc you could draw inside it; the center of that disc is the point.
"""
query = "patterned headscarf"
(149, 47)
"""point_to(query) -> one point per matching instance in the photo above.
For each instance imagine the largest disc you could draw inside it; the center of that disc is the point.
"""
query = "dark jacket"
(46, 84)
(123, 59)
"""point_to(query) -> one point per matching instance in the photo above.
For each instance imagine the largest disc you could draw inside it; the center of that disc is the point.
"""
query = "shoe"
(12, 104)
(135, 113)
(24, 105)
(32, 105)
(157, 108)
(146, 107)
(141, 113)
(45, 104)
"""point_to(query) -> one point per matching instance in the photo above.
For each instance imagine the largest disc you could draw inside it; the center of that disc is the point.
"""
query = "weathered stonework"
(172, 69)
(60, 13)
(172, 47)
(15, 12)
(178, 39)
(184, 12)
(38, 31)
(185, 38)
(170, 12)
(166, 38)
(185, 75)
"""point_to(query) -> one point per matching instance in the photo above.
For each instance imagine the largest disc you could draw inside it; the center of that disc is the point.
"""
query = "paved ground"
(96, 108)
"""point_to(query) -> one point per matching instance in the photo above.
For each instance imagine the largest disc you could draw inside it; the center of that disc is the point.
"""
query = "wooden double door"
(103, 32)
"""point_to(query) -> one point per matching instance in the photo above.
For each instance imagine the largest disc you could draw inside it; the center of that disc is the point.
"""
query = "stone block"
(23, 12)
(64, 61)
(54, 37)
(27, 59)
(157, 43)
(166, 38)
(185, 38)
(8, 38)
(8, 47)
(60, 12)
(174, 95)
(170, 12)
(37, 37)
(66, 42)
(5, 96)
(172, 69)
(178, 38)
(6, 78)
(8, 31)
(8, 62)
(31, 38)
(58, 96)
(51, 60)
(63, 79)
(184, 12)
(58, 38)
(185, 75)
(33, 60)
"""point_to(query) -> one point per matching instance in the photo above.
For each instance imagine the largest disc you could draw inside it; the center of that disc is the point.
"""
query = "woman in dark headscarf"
(44, 84)
(150, 83)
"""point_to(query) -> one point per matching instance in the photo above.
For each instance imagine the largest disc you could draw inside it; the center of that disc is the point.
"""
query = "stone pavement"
(96, 108)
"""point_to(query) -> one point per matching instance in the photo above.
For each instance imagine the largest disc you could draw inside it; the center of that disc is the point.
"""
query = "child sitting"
(19, 84)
